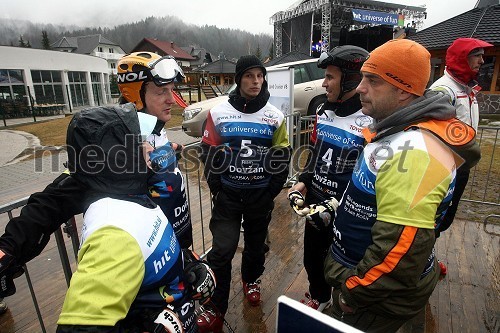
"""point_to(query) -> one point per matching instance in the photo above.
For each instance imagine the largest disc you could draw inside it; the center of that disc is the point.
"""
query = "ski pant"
(254, 206)
(316, 245)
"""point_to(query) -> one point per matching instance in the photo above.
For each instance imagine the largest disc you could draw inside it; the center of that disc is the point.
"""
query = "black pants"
(460, 183)
(316, 244)
(230, 206)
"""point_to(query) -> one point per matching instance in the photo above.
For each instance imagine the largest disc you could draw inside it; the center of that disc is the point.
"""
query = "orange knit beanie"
(403, 63)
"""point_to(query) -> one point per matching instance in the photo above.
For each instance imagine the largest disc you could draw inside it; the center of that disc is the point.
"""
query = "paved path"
(19, 178)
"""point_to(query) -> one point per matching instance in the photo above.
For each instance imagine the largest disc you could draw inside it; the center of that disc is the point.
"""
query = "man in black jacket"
(336, 144)
(146, 83)
(246, 155)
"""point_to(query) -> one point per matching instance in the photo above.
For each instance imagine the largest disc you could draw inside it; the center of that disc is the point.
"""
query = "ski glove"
(8, 272)
(168, 322)
(199, 278)
(320, 214)
(297, 203)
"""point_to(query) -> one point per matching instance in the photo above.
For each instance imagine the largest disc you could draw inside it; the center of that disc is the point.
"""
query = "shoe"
(252, 292)
(443, 269)
(3, 306)
(313, 303)
(209, 320)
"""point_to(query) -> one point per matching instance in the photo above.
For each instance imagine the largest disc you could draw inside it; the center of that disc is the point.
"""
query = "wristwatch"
(342, 299)
(343, 305)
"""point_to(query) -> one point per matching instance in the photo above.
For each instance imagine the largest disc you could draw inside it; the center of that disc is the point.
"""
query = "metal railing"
(484, 180)
(482, 189)
(69, 228)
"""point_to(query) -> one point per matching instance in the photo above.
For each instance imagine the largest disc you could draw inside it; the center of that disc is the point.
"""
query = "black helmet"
(349, 59)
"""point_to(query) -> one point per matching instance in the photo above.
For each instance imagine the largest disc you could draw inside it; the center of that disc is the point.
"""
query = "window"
(78, 88)
(12, 85)
(48, 87)
(113, 65)
(486, 73)
(95, 78)
(111, 50)
(316, 72)
(99, 49)
(300, 74)
(16, 76)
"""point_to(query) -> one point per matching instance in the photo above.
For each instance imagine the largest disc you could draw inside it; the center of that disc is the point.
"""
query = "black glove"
(322, 213)
(8, 272)
(198, 278)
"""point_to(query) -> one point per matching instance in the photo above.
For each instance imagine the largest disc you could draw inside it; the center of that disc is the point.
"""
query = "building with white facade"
(33, 77)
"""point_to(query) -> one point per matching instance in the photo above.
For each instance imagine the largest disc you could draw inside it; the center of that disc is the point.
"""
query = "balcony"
(109, 56)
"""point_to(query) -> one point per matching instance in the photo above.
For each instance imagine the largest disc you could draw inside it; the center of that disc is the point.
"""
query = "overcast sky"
(252, 16)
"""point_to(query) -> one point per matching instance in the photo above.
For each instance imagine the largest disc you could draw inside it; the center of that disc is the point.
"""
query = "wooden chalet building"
(482, 22)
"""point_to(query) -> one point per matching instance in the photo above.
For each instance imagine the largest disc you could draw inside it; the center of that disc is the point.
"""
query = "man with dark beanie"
(246, 153)
(464, 58)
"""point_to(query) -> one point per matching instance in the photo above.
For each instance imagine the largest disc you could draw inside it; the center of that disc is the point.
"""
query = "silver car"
(309, 96)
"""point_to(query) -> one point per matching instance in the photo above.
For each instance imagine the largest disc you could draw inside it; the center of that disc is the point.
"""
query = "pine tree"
(113, 84)
(21, 41)
(45, 40)
(258, 52)
(28, 45)
(271, 51)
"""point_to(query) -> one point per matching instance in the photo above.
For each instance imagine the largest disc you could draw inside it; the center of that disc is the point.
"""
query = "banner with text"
(378, 17)
(280, 85)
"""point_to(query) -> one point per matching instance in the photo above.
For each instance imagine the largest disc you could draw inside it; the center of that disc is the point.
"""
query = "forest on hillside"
(232, 42)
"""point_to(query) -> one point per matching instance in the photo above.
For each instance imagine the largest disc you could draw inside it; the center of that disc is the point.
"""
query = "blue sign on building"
(380, 18)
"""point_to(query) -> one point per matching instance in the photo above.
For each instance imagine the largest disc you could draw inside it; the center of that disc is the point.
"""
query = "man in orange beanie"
(381, 263)
(463, 59)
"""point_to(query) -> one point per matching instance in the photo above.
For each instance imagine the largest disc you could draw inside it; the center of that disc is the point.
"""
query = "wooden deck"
(467, 300)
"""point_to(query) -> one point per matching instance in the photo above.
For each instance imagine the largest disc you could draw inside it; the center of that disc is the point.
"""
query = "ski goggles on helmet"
(165, 70)
(326, 59)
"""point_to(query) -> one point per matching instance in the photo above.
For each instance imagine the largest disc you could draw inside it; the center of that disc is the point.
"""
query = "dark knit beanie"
(245, 63)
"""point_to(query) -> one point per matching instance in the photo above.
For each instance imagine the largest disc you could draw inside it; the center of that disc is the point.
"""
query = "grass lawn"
(53, 132)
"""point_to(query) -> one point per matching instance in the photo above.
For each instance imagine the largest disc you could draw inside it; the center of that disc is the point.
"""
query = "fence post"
(69, 99)
(31, 104)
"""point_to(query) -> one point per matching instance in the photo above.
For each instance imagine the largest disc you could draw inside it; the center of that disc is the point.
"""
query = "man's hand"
(167, 321)
(8, 272)
(201, 280)
(320, 215)
(198, 277)
(297, 200)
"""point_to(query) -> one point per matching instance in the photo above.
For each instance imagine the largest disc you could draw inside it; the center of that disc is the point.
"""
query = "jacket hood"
(241, 104)
(433, 112)
(105, 150)
(456, 58)
(432, 105)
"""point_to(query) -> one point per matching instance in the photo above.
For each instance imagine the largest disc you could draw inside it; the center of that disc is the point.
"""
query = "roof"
(221, 66)
(481, 23)
(164, 48)
(289, 57)
(82, 44)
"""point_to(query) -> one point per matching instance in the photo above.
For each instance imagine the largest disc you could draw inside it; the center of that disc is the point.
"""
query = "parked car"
(309, 95)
